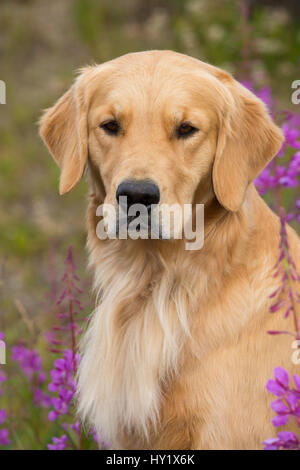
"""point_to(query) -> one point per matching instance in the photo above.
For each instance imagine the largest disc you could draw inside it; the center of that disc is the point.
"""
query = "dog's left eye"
(185, 130)
(111, 127)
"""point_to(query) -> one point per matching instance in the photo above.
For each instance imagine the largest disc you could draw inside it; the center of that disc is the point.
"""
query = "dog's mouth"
(139, 226)
(157, 222)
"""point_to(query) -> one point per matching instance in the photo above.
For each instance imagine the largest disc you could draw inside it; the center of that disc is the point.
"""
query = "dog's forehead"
(152, 79)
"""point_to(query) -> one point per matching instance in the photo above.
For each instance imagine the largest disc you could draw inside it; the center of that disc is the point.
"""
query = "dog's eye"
(111, 127)
(185, 130)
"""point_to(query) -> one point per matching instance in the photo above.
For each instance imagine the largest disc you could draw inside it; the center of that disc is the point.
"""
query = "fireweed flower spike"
(31, 364)
(63, 340)
(4, 433)
(286, 406)
(287, 295)
(284, 173)
(69, 307)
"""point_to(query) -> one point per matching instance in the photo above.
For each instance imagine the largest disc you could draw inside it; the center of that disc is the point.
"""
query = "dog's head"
(160, 128)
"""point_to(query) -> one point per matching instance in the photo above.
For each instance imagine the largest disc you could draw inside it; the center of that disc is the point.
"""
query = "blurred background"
(42, 44)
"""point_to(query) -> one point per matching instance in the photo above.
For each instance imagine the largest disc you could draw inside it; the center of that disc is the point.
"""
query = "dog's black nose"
(138, 192)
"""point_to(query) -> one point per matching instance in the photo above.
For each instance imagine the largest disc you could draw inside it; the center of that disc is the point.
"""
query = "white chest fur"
(131, 345)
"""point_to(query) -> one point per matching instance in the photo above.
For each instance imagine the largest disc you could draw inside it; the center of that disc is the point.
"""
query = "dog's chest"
(132, 346)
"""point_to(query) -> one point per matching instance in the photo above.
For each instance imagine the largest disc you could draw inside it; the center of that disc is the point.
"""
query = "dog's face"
(152, 135)
(160, 128)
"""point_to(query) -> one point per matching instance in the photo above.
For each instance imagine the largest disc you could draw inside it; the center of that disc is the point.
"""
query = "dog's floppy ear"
(248, 139)
(63, 128)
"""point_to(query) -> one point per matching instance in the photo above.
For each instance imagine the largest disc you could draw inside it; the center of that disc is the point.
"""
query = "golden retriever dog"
(176, 354)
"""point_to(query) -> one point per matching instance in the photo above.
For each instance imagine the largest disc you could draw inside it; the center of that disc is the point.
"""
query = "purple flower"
(281, 419)
(271, 444)
(59, 443)
(291, 138)
(31, 364)
(265, 180)
(266, 96)
(40, 398)
(281, 376)
(297, 381)
(63, 384)
(53, 415)
(285, 440)
(76, 427)
(4, 437)
(29, 360)
(279, 386)
(2, 416)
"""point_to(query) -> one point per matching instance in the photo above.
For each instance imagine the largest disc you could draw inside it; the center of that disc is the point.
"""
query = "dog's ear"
(63, 128)
(248, 139)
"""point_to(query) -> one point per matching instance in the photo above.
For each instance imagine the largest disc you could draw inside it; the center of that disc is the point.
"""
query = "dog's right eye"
(111, 127)
(186, 130)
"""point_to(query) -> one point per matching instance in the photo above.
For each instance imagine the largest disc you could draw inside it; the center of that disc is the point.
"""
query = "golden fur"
(176, 355)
